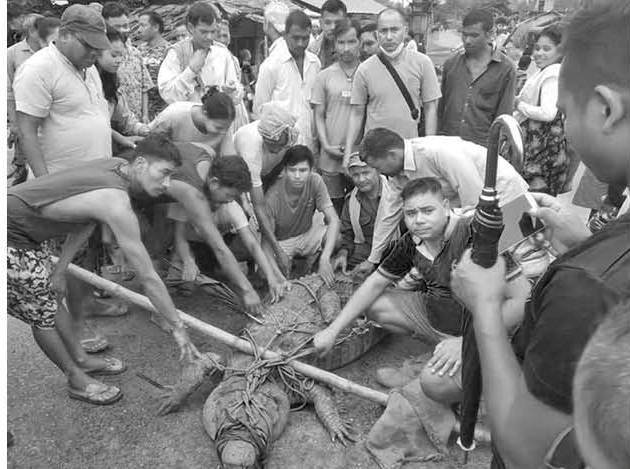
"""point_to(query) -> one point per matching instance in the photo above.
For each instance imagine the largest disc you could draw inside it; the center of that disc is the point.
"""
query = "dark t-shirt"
(567, 305)
(445, 313)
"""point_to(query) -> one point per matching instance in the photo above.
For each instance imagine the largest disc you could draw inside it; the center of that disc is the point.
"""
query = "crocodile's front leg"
(326, 410)
(193, 374)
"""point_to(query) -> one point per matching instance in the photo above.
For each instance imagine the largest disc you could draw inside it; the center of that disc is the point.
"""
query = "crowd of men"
(341, 152)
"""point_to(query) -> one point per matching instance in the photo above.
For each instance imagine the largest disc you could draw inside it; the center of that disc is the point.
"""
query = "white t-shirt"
(249, 146)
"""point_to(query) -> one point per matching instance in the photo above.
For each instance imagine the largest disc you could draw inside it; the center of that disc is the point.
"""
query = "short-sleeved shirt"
(229, 219)
(176, 121)
(333, 89)
(444, 311)
(76, 125)
(468, 106)
(249, 145)
(134, 79)
(567, 304)
(293, 221)
(374, 86)
(368, 208)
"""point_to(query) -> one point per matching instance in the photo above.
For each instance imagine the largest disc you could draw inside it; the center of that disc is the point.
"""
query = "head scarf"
(275, 119)
(276, 14)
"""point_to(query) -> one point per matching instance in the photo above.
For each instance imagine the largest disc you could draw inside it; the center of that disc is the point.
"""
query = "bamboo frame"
(229, 339)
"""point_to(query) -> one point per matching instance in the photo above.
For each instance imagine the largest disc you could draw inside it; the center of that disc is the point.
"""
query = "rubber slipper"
(113, 366)
(97, 394)
(95, 344)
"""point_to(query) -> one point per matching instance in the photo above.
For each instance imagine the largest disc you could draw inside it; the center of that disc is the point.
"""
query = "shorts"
(413, 306)
(308, 243)
(29, 294)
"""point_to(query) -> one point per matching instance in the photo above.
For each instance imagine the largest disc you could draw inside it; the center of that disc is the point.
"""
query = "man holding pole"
(71, 203)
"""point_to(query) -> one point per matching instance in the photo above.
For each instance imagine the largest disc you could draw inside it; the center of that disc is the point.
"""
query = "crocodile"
(249, 409)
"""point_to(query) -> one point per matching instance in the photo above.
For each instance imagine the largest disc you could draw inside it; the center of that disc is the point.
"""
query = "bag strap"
(401, 86)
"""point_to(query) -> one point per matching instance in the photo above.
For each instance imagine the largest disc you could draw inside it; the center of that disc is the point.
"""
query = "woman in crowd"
(126, 128)
(546, 164)
(204, 124)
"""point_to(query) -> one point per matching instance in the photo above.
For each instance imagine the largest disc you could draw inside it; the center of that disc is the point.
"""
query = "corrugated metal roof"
(354, 6)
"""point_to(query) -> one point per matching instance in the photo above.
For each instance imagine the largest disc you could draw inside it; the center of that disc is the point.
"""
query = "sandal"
(113, 366)
(97, 394)
(95, 344)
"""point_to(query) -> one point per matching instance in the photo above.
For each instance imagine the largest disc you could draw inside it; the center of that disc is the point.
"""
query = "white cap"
(276, 14)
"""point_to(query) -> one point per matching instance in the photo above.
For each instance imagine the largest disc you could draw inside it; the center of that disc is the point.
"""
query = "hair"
(334, 6)
(46, 24)
(553, 32)
(245, 55)
(231, 171)
(297, 18)
(30, 22)
(158, 146)
(601, 386)
(297, 154)
(597, 48)
(477, 16)
(110, 80)
(155, 20)
(401, 13)
(114, 10)
(501, 20)
(201, 12)
(419, 186)
(377, 142)
(217, 105)
(345, 25)
(368, 28)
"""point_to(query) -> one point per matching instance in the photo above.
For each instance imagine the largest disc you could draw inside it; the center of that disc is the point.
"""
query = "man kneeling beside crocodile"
(436, 239)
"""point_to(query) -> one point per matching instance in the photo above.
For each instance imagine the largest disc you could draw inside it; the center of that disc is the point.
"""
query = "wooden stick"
(229, 339)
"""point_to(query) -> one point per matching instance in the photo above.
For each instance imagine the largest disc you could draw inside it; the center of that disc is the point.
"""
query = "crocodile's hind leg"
(327, 412)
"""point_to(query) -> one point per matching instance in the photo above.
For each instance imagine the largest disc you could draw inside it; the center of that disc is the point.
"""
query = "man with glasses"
(262, 144)
(62, 114)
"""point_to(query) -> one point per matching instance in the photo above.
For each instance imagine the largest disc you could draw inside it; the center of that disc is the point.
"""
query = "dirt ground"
(52, 431)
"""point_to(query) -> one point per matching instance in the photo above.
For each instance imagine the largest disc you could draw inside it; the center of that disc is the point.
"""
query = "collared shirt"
(280, 80)
(177, 82)
(375, 88)
(468, 106)
(16, 56)
(134, 79)
(74, 110)
(367, 218)
(459, 166)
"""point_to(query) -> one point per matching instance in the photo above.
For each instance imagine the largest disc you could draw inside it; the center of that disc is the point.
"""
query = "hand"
(252, 302)
(198, 60)
(58, 284)
(187, 349)
(324, 340)
(13, 136)
(336, 151)
(326, 271)
(341, 263)
(364, 269)
(476, 286)
(143, 130)
(229, 88)
(190, 271)
(517, 100)
(128, 142)
(563, 227)
(277, 288)
(447, 357)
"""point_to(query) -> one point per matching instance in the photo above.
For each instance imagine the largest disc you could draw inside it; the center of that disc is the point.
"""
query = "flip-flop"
(97, 394)
(95, 344)
(113, 366)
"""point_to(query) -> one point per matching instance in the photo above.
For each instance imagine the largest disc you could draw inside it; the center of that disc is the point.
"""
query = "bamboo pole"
(229, 339)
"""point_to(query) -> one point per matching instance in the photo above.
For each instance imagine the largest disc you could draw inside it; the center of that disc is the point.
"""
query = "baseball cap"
(88, 23)
(355, 160)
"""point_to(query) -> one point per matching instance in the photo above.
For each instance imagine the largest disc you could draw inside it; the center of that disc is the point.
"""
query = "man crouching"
(71, 203)
(436, 239)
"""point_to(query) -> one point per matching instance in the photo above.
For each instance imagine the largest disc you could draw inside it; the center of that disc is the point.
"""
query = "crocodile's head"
(239, 454)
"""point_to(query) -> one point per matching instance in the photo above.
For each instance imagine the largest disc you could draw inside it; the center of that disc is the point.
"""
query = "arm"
(199, 215)
(506, 103)
(127, 121)
(354, 127)
(460, 171)
(264, 86)
(347, 233)
(265, 223)
(148, 84)
(175, 83)
(430, 117)
(28, 127)
(145, 107)
(74, 242)
(190, 270)
(547, 110)
(332, 232)
(388, 217)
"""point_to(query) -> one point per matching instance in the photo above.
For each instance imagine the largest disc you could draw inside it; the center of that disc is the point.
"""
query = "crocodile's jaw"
(238, 455)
